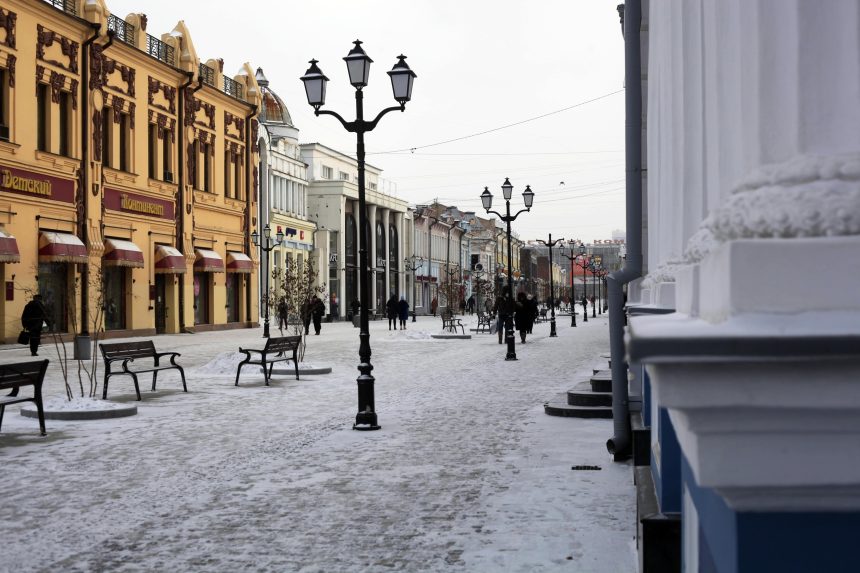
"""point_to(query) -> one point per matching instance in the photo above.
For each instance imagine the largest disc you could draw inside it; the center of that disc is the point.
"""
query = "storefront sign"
(332, 259)
(36, 185)
(139, 204)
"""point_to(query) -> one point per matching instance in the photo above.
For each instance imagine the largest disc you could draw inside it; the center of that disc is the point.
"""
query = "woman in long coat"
(391, 311)
(403, 311)
(523, 316)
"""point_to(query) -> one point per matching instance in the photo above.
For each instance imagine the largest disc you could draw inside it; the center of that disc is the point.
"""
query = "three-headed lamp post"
(402, 78)
(267, 248)
(487, 201)
(413, 263)
(550, 243)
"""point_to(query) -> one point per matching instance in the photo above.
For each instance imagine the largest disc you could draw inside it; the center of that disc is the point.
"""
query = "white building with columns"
(333, 206)
(751, 381)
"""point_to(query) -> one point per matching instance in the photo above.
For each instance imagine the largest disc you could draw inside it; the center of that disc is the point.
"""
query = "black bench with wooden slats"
(451, 323)
(14, 376)
(277, 349)
(484, 322)
(129, 352)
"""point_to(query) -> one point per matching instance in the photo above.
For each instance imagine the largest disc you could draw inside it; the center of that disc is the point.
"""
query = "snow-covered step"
(601, 381)
(560, 407)
(583, 395)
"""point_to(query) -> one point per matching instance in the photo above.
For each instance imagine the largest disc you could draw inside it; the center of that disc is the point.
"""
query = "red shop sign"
(36, 185)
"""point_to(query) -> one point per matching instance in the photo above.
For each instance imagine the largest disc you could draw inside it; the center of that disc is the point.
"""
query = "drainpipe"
(249, 180)
(620, 443)
(83, 343)
(180, 178)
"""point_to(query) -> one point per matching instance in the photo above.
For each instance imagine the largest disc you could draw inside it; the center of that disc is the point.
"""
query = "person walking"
(503, 309)
(317, 313)
(34, 316)
(531, 305)
(333, 304)
(403, 311)
(283, 314)
(470, 304)
(434, 304)
(307, 313)
(391, 311)
(523, 316)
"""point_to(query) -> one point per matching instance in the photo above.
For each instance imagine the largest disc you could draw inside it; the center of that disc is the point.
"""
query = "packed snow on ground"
(76, 404)
(467, 473)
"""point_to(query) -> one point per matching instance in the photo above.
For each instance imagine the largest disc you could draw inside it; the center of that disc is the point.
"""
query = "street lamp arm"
(368, 126)
(518, 213)
(348, 125)
(500, 216)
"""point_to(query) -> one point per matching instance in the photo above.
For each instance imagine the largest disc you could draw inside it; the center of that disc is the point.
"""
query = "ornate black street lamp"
(358, 66)
(550, 243)
(594, 267)
(583, 262)
(572, 258)
(413, 263)
(267, 248)
(487, 201)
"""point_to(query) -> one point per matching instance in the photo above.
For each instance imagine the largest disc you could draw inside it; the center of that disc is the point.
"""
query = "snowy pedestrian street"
(466, 474)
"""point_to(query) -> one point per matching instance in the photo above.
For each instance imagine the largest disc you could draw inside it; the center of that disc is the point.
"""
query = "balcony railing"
(207, 75)
(123, 31)
(67, 6)
(233, 88)
(159, 50)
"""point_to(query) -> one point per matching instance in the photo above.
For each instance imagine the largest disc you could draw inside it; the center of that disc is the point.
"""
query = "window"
(228, 175)
(327, 172)
(153, 151)
(167, 157)
(238, 188)
(344, 176)
(204, 165)
(124, 137)
(65, 124)
(372, 186)
(42, 119)
(380, 246)
(4, 105)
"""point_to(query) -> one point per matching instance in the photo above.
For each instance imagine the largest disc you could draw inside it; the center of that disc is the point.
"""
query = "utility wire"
(412, 149)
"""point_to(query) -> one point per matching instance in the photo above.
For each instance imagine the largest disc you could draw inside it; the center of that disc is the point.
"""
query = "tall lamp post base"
(266, 329)
(552, 331)
(573, 317)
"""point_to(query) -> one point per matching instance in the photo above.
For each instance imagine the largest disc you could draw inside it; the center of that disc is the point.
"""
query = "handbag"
(24, 338)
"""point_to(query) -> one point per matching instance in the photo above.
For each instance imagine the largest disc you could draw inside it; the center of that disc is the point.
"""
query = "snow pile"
(224, 363)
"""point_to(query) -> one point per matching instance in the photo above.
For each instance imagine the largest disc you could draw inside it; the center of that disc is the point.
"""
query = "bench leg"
(238, 370)
(2, 409)
(136, 385)
(296, 362)
(40, 409)
(271, 366)
(182, 373)
(105, 384)
(154, 378)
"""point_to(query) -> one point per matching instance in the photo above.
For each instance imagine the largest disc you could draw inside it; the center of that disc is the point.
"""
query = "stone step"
(560, 407)
(582, 395)
(601, 381)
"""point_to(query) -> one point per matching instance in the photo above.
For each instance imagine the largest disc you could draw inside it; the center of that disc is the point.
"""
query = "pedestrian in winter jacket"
(317, 312)
(523, 316)
(391, 311)
(32, 319)
(403, 311)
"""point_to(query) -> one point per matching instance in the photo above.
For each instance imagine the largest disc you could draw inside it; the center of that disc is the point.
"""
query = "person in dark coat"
(34, 316)
(317, 313)
(523, 316)
(470, 304)
(532, 304)
(282, 314)
(504, 308)
(403, 311)
(391, 311)
(306, 312)
(434, 304)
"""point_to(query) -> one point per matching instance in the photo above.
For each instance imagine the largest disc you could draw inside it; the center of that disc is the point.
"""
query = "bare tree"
(295, 286)
(451, 289)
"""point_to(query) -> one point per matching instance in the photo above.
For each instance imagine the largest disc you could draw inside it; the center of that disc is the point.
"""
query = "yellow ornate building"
(127, 174)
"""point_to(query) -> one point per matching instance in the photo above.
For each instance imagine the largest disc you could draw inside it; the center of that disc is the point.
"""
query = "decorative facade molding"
(97, 134)
(8, 19)
(57, 82)
(45, 39)
(230, 119)
(190, 107)
(168, 91)
(40, 71)
(73, 89)
(255, 129)
(127, 74)
(208, 111)
(97, 63)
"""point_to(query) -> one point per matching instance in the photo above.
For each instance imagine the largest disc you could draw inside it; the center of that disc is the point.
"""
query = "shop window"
(201, 298)
(233, 290)
(43, 120)
(54, 288)
(114, 291)
(66, 124)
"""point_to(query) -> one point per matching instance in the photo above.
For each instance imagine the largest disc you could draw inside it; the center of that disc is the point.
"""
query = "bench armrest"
(172, 355)
(248, 350)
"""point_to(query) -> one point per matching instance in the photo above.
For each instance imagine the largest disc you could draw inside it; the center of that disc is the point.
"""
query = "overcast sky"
(481, 65)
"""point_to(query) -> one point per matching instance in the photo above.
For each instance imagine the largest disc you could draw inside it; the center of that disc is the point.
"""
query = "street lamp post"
(572, 258)
(267, 248)
(550, 243)
(455, 223)
(582, 263)
(594, 267)
(402, 78)
(487, 201)
(413, 263)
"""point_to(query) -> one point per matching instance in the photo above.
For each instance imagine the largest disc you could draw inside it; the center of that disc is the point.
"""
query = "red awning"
(61, 248)
(168, 261)
(208, 261)
(239, 262)
(9, 249)
(120, 253)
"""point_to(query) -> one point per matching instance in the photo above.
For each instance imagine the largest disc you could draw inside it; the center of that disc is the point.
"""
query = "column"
(386, 220)
(371, 255)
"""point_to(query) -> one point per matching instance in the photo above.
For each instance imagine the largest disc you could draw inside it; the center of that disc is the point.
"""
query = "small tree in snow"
(295, 286)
